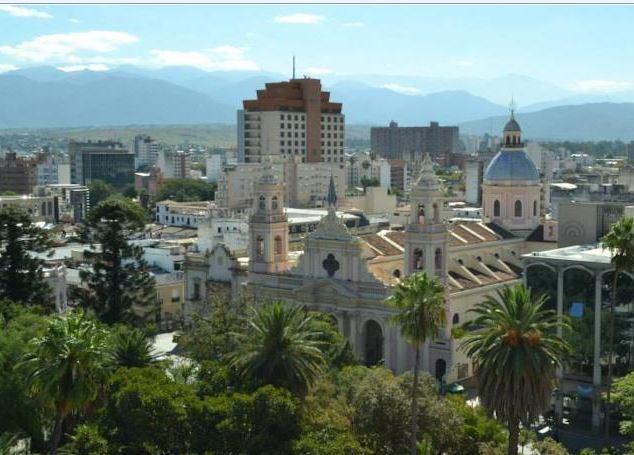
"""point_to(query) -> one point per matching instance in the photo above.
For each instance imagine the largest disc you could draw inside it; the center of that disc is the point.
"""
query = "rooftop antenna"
(512, 107)
(293, 66)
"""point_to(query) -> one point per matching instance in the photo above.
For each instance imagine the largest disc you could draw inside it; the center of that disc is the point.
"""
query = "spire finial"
(512, 107)
(293, 66)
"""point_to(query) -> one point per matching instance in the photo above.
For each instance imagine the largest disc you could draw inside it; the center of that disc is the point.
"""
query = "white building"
(174, 164)
(52, 169)
(184, 214)
(146, 151)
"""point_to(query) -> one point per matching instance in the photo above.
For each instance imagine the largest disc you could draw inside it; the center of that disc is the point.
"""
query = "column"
(387, 346)
(560, 311)
(596, 365)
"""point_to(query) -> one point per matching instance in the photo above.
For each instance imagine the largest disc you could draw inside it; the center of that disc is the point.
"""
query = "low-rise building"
(40, 208)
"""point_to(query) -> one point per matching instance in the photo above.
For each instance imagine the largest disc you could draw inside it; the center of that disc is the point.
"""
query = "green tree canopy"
(185, 190)
(21, 276)
(118, 287)
(100, 191)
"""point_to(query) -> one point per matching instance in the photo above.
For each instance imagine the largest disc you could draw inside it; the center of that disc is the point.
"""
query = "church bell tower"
(426, 236)
(268, 225)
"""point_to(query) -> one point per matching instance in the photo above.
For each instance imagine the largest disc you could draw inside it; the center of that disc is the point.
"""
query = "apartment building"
(174, 164)
(146, 151)
(108, 161)
(293, 119)
(412, 143)
(17, 174)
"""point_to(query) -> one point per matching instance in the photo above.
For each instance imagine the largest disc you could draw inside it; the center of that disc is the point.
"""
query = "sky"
(578, 47)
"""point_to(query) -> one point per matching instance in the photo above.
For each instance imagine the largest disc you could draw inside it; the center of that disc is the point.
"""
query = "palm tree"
(66, 366)
(281, 347)
(516, 349)
(620, 242)
(420, 300)
(131, 348)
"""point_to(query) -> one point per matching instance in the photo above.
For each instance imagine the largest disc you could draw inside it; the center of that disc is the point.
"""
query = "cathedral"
(351, 276)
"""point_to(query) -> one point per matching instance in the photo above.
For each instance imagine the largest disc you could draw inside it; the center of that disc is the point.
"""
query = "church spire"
(331, 198)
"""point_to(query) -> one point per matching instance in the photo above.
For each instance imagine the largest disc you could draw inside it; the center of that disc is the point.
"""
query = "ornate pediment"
(331, 227)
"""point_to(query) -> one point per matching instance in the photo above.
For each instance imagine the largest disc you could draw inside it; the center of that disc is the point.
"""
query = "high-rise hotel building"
(291, 119)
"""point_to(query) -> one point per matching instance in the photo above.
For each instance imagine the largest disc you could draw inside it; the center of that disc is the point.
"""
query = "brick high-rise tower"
(294, 118)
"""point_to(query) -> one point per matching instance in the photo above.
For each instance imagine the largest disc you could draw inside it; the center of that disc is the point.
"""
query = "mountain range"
(45, 97)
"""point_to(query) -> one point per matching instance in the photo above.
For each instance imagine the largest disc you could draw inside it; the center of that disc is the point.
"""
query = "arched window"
(259, 246)
(514, 140)
(417, 260)
(518, 208)
(274, 203)
(496, 208)
(508, 140)
(421, 214)
(278, 245)
(396, 273)
(43, 211)
(436, 213)
(456, 319)
(534, 208)
(438, 259)
(262, 203)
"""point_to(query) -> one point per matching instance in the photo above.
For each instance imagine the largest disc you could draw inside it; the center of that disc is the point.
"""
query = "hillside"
(588, 122)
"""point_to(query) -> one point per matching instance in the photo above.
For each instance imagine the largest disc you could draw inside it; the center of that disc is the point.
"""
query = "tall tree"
(281, 347)
(620, 242)
(66, 367)
(119, 286)
(420, 301)
(130, 348)
(21, 276)
(516, 349)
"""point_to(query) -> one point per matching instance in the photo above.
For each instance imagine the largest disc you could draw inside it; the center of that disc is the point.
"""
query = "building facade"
(108, 161)
(17, 174)
(291, 119)
(146, 151)
(174, 164)
(412, 143)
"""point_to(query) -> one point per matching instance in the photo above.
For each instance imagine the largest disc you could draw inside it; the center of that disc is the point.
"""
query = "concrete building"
(52, 169)
(146, 151)
(305, 183)
(150, 182)
(412, 143)
(400, 175)
(291, 119)
(17, 174)
(74, 200)
(583, 223)
(363, 167)
(108, 161)
(40, 208)
(184, 214)
(174, 164)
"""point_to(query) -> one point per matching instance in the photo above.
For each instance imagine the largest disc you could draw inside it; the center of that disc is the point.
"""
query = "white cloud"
(229, 58)
(465, 63)
(20, 11)
(353, 24)
(602, 86)
(317, 71)
(74, 21)
(4, 67)
(300, 18)
(63, 46)
(403, 89)
(88, 67)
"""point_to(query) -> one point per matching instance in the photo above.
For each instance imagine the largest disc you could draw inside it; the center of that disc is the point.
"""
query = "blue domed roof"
(509, 166)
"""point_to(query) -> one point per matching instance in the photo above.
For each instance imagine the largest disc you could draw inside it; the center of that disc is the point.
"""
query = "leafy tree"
(281, 347)
(335, 346)
(65, 367)
(380, 414)
(87, 440)
(517, 351)
(624, 398)
(100, 191)
(420, 300)
(620, 241)
(549, 446)
(475, 428)
(131, 347)
(119, 286)
(366, 182)
(20, 413)
(147, 412)
(186, 190)
(21, 276)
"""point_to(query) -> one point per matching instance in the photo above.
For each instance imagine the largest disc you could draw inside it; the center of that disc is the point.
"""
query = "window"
(534, 208)
(518, 208)
(278, 245)
(456, 319)
(496, 208)
(421, 214)
(274, 203)
(262, 203)
(418, 261)
(196, 295)
(396, 273)
(259, 246)
(438, 259)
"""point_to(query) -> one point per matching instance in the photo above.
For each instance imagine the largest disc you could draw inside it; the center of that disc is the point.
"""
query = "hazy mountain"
(365, 104)
(590, 122)
(87, 99)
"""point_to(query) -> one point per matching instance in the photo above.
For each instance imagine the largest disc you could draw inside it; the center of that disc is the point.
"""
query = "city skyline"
(577, 47)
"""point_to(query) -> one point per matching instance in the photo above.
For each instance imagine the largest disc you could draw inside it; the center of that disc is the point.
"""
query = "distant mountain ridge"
(45, 97)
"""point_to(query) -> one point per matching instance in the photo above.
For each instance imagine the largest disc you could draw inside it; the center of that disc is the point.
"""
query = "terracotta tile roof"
(397, 237)
(381, 245)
